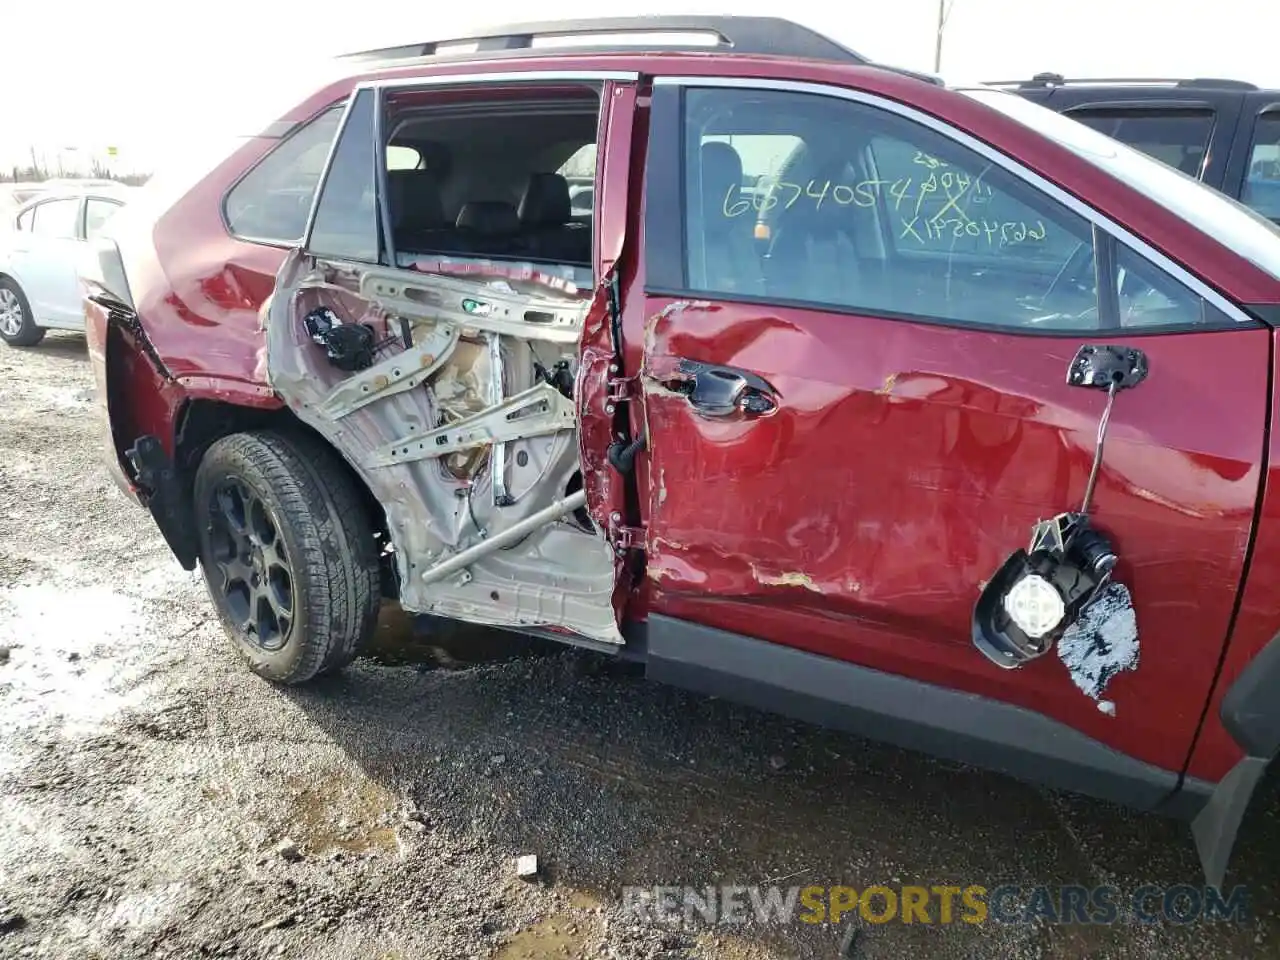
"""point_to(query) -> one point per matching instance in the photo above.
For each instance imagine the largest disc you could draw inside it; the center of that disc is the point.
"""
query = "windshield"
(1249, 234)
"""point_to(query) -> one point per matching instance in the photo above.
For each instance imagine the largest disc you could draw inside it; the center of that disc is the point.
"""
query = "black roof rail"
(1218, 83)
(1193, 83)
(722, 34)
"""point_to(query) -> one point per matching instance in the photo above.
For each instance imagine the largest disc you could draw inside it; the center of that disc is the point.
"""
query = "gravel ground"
(157, 800)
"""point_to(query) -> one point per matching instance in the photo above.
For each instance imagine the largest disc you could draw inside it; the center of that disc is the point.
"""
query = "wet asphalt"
(158, 800)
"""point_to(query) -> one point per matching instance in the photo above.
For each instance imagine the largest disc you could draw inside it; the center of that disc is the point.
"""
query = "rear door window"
(58, 219)
(1176, 136)
(1261, 189)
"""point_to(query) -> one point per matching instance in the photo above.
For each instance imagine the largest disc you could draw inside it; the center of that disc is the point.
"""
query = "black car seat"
(489, 227)
(417, 210)
(813, 256)
(726, 261)
(546, 221)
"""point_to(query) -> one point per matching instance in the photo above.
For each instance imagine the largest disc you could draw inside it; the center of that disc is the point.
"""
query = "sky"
(150, 78)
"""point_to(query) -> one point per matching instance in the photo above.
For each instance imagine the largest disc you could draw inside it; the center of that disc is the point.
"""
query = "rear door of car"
(857, 326)
(44, 260)
(459, 417)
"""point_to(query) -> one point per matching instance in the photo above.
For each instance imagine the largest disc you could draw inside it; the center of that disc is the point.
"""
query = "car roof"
(1157, 87)
(639, 36)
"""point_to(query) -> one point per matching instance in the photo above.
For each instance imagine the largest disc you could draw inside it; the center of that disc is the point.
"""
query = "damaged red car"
(919, 411)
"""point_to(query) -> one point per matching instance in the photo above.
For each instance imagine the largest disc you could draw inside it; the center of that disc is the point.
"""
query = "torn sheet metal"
(475, 378)
(1102, 643)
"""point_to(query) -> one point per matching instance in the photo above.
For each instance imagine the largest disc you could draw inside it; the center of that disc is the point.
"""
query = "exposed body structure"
(920, 411)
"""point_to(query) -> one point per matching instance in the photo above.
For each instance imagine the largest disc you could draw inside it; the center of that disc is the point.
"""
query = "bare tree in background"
(944, 14)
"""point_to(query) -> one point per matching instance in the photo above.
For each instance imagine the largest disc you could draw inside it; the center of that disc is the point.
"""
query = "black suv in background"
(1224, 132)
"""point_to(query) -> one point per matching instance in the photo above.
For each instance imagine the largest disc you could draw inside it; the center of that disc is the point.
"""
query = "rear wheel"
(17, 323)
(288, 553)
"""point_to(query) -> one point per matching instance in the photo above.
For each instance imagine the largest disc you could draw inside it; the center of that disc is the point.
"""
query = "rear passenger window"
(1177, 137)
(403, 158)
(579, 172)
(1262, 179)
(507, 181)
(271, 202)
(58, 218)
(820, 201)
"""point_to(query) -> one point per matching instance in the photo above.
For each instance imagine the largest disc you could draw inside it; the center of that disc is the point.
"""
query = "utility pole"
(944, 12)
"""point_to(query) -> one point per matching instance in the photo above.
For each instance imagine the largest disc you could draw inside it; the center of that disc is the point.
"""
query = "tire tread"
(337, 563)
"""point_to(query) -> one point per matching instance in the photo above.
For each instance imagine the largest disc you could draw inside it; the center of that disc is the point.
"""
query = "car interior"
(492, 180)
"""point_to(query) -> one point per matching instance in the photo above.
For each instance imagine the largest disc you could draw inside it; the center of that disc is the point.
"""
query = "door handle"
(719, 392)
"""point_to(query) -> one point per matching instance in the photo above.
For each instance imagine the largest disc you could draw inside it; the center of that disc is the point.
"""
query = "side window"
(346, 222)
(1149, 297)
(1262, 178)
(57, 218)
(580, 172)
(400, 157)
(1177, 137)
(820, 201)
(814, 199)
(26, 219)
(271, 201)
(96, 214)
(957, 211)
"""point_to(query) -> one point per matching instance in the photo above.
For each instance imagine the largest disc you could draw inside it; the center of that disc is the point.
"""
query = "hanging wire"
(1097, 450)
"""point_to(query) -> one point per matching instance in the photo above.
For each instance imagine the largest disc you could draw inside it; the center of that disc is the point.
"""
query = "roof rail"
(1058, 80)
(722, 34)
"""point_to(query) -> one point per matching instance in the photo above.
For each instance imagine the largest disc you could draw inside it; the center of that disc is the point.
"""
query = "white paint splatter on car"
(1102, 643)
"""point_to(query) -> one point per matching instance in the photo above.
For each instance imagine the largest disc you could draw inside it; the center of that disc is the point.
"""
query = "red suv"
(893, 406)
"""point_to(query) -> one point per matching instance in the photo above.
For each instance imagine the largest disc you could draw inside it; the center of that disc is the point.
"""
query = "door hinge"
(622, 537)
(620, 388)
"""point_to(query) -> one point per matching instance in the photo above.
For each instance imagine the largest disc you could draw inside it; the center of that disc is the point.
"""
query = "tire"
(288, 553)
(17, 323)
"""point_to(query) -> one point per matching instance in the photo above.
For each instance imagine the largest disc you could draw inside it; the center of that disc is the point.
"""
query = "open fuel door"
(442, 362)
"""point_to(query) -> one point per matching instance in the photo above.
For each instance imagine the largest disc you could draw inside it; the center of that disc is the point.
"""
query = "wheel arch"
(201, 421)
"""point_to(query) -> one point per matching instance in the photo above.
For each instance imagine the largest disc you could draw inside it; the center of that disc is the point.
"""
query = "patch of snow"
(1102, 643)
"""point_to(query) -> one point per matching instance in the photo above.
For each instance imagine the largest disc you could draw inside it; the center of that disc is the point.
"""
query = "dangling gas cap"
(1040, 591)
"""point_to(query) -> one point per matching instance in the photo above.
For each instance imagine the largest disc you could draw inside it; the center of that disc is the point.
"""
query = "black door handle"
(715, 391)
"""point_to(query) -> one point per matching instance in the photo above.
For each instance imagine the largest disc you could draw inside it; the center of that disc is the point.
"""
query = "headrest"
(415, 199)
(721, 180)
(488, 217)
(546, 201)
